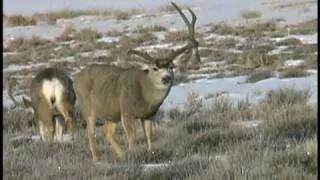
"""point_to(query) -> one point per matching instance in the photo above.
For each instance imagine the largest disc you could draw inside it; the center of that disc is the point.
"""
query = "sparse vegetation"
(292, 72)
(154, 28)
(115, 33)
(53, 16)
(67, 33)
(24, 43)
(259, 75)
(176, 36)
(311, 60)
(19, 20)
(250, 14)
(289, 41)
(87, 34)
(200, 141)
(255, 59)
(169, 8)
(306, 27)
(226, 43)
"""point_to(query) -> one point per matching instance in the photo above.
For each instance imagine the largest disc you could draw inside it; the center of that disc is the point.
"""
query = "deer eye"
(155, 69)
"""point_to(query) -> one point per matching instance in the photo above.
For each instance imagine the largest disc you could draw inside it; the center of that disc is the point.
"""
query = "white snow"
(238, 91)
(207, 12)
(305, 39)
(294, 62)
(14, 67)
(277, 50)
(214, 36)
(109, 39)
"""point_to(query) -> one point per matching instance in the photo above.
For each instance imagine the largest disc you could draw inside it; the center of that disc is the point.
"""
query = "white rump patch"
(52, 88)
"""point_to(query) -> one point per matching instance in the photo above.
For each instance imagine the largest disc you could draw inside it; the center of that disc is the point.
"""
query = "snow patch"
(305, 39)
(294, 62)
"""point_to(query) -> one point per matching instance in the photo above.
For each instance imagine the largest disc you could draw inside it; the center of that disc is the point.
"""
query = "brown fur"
(109, 92)
(116, 94)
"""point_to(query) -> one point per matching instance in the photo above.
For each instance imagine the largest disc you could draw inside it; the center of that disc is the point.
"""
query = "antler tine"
(193, 21)
(190, 26)
(144, 55)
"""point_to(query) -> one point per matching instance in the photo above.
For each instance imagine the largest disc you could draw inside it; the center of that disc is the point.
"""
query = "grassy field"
(198, 142)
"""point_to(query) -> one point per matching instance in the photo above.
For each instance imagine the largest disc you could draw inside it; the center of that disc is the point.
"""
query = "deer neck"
(152, 94)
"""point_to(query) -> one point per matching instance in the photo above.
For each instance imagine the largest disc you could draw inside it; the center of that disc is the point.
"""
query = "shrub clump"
(19, 20)
(293, 72)
(87, 34)
(259, 75)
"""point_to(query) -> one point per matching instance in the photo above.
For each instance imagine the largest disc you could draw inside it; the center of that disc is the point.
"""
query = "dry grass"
(194, 131)
(255, 59)
(250, 14)
(289, 41)
(24, 43)
(67, 33)
(292, 72)
(242, 30)
(307, 27)
(259, 75)
(87, 35)
(169, 8)
(52, 16)
(226, 43)
(115, 33)
(19, 20)
(154, 28)
(311, 60)
(176, 36)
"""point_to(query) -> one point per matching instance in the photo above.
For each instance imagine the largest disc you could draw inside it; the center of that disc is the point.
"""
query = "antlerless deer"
(51, 92)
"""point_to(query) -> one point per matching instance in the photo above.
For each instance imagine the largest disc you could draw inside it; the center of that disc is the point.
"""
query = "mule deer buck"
(126, 95)
(52, 93)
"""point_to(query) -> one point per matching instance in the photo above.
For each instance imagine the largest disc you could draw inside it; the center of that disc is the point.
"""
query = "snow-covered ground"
(239, 91)
(206, 10)
(305, 39)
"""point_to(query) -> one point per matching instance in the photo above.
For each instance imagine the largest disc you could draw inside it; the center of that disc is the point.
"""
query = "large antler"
(191, 26)
(191, 29)
(144, 55)
(191, 45)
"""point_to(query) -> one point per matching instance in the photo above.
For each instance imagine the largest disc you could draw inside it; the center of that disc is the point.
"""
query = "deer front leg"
(147, 129)
(130, 129)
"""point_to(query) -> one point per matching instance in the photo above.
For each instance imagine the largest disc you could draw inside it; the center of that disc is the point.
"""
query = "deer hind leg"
(147, 129)
(43, 113)
(91, 136)
(45, 124)
(108, 132)
(59, 124)
(130, 129)
(65, 109)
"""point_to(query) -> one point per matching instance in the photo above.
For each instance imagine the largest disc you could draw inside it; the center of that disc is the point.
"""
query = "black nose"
(166, 79)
